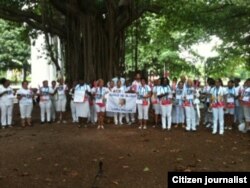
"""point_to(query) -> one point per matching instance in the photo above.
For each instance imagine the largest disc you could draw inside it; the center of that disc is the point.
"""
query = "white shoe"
(140, 127)
(64, 121)
(214, 132)
(145, 127)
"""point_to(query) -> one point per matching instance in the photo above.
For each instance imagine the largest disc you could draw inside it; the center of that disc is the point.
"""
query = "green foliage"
(15, 47)
(186, 22)
(157, 37)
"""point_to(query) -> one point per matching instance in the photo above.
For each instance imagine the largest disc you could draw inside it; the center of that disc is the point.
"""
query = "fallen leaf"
(39, 158)
(94, 160)
(179, 159)
(146, 169)
(174, 151)
(198, 160)
(233, 162)
(125, 166)
(115, 182)
(121, 157)
(234, 148)
(56, 164)
(188, 170)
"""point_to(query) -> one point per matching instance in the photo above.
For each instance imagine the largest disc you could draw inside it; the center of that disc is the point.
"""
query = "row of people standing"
(226, 105)
(51, 100)
(175, 104)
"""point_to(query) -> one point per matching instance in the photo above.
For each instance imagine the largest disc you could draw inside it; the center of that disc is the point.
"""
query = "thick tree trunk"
(93, 51)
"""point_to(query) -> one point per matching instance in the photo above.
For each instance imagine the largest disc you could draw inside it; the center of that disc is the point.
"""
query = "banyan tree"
(92, 32)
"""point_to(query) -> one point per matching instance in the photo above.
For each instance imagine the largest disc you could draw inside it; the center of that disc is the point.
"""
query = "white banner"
(121, 102)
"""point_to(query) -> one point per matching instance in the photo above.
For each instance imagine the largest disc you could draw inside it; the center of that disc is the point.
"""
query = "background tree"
(15, 48)
(92, 31)
(95, 33)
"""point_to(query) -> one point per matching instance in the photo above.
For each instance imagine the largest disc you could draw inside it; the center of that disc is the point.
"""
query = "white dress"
(82, 107)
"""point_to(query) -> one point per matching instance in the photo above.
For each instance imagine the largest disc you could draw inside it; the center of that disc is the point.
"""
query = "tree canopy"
(96, 34)
(15, 46)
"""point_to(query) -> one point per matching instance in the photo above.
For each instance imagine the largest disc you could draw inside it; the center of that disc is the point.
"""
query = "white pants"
(25, 110)
(238, 114)
(73, 111)
(61, 105)
(166, 112)
(179, 112)
(53, 109)
(92, 114)
(218, 115)
(116, 117)
(247, 113)
(45, 107)
(142, 111)
(6, 116)
(190, 118)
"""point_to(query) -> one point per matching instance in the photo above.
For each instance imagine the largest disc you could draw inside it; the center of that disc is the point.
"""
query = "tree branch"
(32, 19)
(123, 21)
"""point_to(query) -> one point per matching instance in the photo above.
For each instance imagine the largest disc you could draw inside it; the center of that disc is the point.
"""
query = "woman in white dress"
(100, 102)
(118, 89)
(45, 93)
(61, 92)
(7, 102)
(189, 96)
(72, 103)
(82, 92)
(179, 110)
(25, 97)
(218, 96)
(156, 102)
(54, 99)
(143, 102)
(165, 95)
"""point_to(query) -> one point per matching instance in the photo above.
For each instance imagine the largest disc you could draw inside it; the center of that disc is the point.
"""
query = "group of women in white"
(174, 104)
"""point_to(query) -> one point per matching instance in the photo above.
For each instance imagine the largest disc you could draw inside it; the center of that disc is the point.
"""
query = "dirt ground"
(64, 156)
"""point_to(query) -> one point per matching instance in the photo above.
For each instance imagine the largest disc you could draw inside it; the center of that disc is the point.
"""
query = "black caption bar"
(208, 179)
